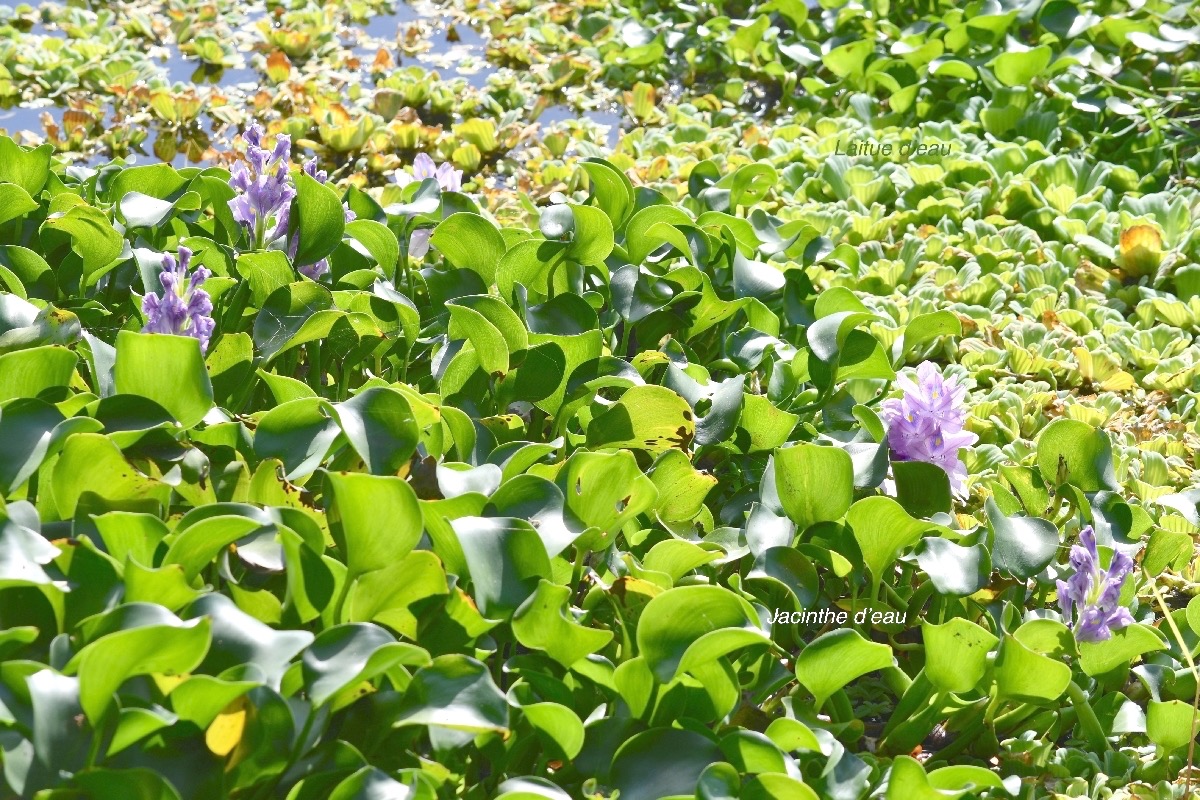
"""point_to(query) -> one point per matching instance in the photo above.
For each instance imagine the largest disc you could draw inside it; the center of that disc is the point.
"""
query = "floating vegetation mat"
(522, 399)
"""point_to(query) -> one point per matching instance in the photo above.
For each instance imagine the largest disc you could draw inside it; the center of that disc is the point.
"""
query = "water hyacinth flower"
(926, 424)
(184, 308)
(448, 179)
(265, 189)
(1089, 598)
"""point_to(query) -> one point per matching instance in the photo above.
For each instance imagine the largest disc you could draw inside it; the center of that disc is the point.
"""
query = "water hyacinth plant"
(1090, 598)
(183, 308)
(782, 413)
(926, 423)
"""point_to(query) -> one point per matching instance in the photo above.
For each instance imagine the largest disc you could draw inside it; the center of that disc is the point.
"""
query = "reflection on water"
(455, 50)
(386, 26)
(182, 69)
(561, 113)
(21, 118)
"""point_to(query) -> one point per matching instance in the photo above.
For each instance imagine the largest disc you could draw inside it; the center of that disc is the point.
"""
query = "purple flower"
(926, 424)
(184, 308)
(1089, 598)
(447, 177)
(264, 188)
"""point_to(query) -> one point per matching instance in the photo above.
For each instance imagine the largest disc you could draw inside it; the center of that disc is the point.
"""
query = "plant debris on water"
(525, 399)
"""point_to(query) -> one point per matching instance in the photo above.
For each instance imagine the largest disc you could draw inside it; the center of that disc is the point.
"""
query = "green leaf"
(27, 168)
(530, 789)
(93, 237)
(370, 783)
(1021, 546)
(908, 780)
(681, 487)
(543, 622)
(593, 239)
(776, 786)
(1080, 451)
(690, 626)
(1048, 637)
(31, 431)
(883, 530)
(1028, 677)
(558, 728)
(380, 426)
(318, 219)
(14, 202)
(345, 655)
(167, 369)
(174, 647)
(637, 768)
(611, 190)
(298, 433)
(23, 553)
(605, 490)
(505, 559)
(1126, 644)
(955, 569)
(374, 520)
(265, 272)
(1169, 723)
(53, 698)
(834, 659)
(386, 595)
(92, 463)
(923, 489)
(1020, 68)
(651, 418)
(239, 640)
(378, 241)
(28, 373)
(815, 483)
(848, 60)
(143, 211)
(791, 735)
(956, 654)
(468, 241)
(828, 335)
(138, 783)
(130, 535)
(925, 328)
(196, 546)
(454, 692)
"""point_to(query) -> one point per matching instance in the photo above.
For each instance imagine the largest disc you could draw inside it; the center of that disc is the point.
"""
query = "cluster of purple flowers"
(926, 424)
(264, 186)
(265, 192)
(448, 179)
(1089, 598)
(184, 309)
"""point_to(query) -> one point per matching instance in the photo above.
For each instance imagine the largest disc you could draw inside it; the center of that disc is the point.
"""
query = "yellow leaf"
(1141, 250)
(226, 730)
(167, 683)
